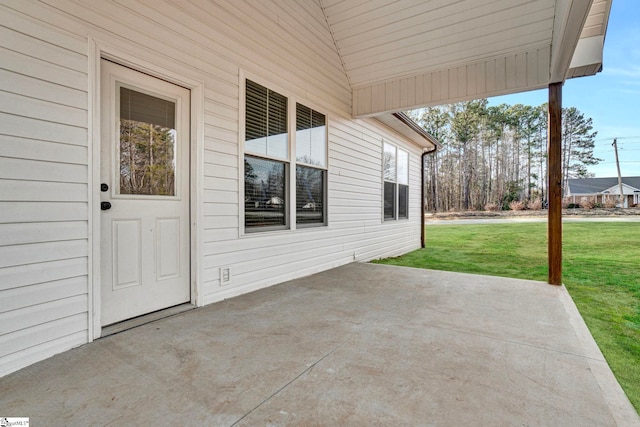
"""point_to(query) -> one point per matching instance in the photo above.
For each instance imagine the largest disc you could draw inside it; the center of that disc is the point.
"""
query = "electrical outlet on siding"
(225, 276)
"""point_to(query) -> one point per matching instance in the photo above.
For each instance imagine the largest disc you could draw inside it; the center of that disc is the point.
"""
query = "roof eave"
(406, 127)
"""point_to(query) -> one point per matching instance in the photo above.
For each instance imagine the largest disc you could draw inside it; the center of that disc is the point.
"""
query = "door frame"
(99, 50)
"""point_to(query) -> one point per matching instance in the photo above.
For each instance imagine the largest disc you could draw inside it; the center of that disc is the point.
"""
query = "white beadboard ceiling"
(402, 54)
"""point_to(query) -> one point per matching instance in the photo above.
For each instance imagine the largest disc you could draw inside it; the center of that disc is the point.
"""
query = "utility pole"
(615, 149)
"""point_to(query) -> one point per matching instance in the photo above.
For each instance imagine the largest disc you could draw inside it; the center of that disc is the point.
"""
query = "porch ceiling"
(404, 54)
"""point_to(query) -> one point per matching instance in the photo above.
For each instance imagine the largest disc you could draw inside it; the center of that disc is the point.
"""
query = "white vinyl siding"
(45, 160)
(43, 191)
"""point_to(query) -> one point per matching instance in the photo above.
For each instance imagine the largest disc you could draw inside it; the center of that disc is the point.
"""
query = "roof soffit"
(404, 54)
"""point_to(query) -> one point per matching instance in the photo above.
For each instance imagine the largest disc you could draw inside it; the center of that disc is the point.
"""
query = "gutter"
(430, 139)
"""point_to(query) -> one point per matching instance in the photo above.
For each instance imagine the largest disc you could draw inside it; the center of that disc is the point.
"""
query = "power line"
(624, 161)
(621, 149)
(619, 137)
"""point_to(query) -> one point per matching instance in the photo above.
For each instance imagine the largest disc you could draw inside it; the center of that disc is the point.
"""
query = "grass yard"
(601, 270)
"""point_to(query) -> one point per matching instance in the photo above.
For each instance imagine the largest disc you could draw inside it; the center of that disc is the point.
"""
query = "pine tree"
(578, 142)
(498, 154)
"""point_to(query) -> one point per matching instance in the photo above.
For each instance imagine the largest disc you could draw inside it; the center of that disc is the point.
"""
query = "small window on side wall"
(396, 183)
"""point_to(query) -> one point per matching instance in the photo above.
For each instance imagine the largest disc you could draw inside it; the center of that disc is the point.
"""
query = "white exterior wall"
(48, 200)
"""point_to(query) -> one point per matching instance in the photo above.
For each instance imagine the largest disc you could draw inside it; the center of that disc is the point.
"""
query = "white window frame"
(290, 163)
(396, 182)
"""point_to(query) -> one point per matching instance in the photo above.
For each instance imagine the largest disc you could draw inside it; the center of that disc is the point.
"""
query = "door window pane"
(147, 144)
(309, 195)
(264, 193)
(265, 122)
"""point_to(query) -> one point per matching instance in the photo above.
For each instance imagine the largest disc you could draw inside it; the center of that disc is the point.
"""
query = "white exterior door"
(144, 247)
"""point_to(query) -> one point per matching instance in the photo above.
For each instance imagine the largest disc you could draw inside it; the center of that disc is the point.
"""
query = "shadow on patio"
(361, 344)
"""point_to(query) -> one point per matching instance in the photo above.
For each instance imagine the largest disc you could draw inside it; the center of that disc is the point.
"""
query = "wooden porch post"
(554, 149)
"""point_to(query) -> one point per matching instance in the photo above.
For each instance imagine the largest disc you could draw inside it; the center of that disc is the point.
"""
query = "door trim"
(99, 50)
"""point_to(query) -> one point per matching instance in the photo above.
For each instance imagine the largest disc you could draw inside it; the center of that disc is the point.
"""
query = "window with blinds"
(267, 164)
(311, 136)
(311, 156)
(266, 122)
(310, 195)
(147, 148)
(264, 193)
(267, 149)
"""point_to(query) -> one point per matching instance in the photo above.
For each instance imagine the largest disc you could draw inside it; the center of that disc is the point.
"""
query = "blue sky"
(611, 98)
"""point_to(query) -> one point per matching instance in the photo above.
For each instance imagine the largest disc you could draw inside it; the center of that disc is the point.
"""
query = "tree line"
(494, 155)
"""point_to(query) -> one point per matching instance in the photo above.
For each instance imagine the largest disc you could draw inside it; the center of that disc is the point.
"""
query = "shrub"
(610, 203)
(535, 204)
(587, 202)
(492, 207)
(516, 205)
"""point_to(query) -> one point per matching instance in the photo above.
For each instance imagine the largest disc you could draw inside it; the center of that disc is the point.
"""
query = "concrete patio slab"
(361, 344)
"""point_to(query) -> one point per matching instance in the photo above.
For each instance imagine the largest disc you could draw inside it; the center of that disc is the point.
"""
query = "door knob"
(105, 206)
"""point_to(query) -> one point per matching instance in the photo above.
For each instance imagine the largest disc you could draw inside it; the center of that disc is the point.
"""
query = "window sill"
(284, 232)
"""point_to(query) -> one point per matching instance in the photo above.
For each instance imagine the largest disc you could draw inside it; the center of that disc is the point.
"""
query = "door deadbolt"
(104, 187)
(105, 206)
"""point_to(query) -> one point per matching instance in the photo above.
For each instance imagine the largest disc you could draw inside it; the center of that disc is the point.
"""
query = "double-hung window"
(266, 158)
(270, 199)
(395, 183)
(311, 163)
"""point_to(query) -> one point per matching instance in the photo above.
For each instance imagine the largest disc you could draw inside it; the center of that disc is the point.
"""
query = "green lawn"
(601, 270)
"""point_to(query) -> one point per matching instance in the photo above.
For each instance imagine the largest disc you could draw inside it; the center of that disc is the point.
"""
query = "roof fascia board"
(588, 57)
(570, 18)
(588, 52)
(615, 189)
(403, 125)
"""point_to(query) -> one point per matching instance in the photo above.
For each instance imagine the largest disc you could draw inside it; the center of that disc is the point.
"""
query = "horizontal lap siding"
(356, 198)
(356, 231)
(43, 190)
(44, 169)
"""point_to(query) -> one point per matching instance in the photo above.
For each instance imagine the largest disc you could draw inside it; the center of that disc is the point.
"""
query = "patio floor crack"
(308, 369)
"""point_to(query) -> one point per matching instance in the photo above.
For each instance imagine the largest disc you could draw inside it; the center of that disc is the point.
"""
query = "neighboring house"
(605, 189)
(157, 153)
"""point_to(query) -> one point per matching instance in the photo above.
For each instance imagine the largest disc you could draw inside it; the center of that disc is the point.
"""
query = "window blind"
(265, 121)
